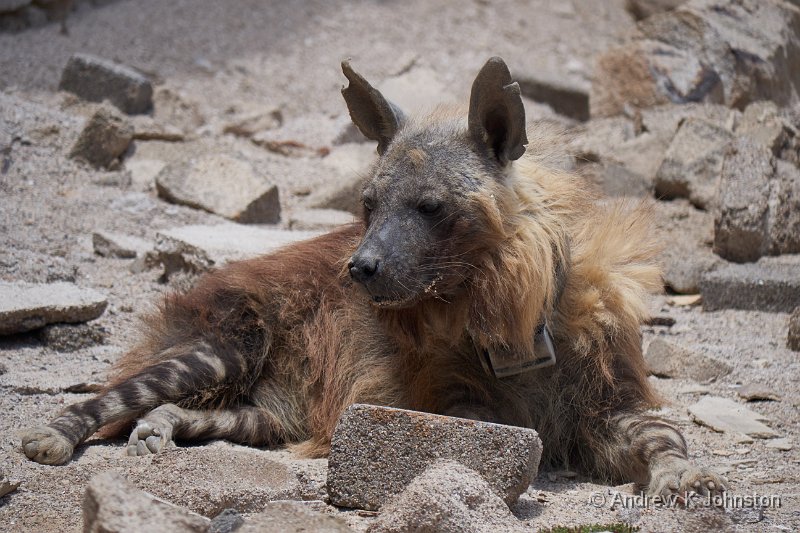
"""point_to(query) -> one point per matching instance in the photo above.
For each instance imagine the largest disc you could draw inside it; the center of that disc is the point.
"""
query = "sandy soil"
(256, 55)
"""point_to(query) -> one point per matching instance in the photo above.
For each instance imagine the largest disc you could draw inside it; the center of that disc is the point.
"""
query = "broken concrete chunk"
(377, 451)
(726, 416)
(113, 505)
(793, 336)
(110, 244)
(221, 184)
(771, 284)
(319, 219)
(292, 517)
(693, 163)
(96, 79)
(198, 248)
(666, 359)
(446, 497)
(106, 137)
(740, 226)
(27, 306)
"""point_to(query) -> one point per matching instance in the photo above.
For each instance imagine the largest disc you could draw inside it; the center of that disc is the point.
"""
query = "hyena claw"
(681, 477)
(46, 445)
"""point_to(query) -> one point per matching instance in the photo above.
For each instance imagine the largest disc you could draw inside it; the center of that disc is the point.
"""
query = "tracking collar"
(501, 362)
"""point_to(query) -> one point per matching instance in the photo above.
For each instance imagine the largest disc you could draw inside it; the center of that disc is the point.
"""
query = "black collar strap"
(501, 362)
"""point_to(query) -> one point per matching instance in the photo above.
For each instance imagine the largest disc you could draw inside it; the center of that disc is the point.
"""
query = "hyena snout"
(363, 266)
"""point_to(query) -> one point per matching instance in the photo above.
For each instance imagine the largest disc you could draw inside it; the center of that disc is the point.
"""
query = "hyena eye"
(368, 203)
(429, 207)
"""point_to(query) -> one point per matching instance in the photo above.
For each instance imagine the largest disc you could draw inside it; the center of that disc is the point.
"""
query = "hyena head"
(430, 204)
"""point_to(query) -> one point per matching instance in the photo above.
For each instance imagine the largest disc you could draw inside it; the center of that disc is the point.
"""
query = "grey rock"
(95, 79)
(223, 184)
(292, 517)
(113, 505)
(740, 227)
(719, 51)
(198, 248)
(377, 451)
(641, 9)
(109, 244)
(793, 335)
(726, 416)
(146, 128)
(667, 359)
(227, 521)
(349, 164)
(446, 497)
(72, 337)
(319, 219)
(105, 138)
(693, 163)
(771, 284)
(567, 97)
(756, 392)
(27, 306)
(7, 486)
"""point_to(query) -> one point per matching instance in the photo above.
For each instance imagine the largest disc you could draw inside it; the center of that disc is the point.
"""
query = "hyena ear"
(376, 117)
(496, 113)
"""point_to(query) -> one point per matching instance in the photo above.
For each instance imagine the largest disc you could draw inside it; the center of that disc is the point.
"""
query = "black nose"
(363, 267)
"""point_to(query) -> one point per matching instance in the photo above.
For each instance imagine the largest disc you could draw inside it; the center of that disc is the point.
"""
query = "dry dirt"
(251, 55)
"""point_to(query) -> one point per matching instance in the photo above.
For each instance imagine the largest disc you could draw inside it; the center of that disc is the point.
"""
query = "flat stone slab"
(670, 360)
(377, 451)
(110, 244)
(198, 248)
(28, 306)
(223, 184)
(726, 416)
(772, 284)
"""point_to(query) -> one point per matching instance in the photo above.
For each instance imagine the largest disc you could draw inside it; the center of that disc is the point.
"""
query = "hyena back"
(471, 241)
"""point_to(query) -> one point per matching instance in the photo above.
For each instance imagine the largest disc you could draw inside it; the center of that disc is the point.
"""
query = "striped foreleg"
(652, 452)
(244, 425)
(198, 374)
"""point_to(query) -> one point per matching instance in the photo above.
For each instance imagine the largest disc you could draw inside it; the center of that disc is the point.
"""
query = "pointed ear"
(496, 113)
(376, 117)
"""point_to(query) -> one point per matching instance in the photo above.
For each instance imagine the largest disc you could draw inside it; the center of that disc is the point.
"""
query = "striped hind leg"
(199, 372)
(652, 452)
(244, 425)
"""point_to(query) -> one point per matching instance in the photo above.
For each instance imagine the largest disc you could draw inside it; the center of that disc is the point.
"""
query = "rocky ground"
(244, 128)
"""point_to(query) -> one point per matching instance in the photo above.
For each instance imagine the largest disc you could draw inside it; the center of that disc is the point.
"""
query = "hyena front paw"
(152, 434)
(681, 477)
(46, 445)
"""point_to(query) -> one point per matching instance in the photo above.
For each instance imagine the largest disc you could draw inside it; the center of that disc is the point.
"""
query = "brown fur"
(273, 349)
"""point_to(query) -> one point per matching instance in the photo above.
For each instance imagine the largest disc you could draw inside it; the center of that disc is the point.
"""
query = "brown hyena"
(469, 246)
